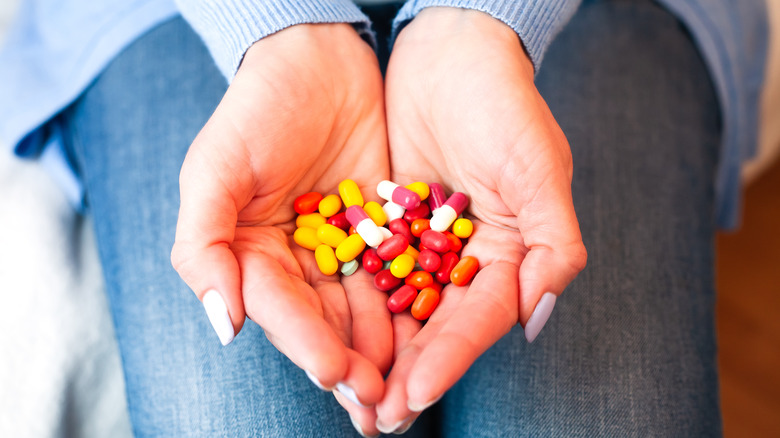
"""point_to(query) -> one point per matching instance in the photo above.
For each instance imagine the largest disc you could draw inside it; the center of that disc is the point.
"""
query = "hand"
(304, 111)
(462, 109)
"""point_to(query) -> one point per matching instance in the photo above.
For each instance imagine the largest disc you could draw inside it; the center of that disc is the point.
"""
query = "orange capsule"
(464, 270)
(419, 226)
(419, 279)
(425, 303)
(455, 243)
(307, 203)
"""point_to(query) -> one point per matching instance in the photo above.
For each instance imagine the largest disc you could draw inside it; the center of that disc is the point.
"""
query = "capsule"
(392, 247)
(455, 244)
(435, 240)
(420, 188)
(349, 267)
(445, 215)
(419, 226)
(375, 212)
(364, 226)
(307, 203)
(326, 259)
(371, 262)
(386, 234)
(331, 235)
(402, 196)
(311, 220)
(307, 238)
(412, 251)
(350, 193)
(400, 226)
(464, 271)
(393, 210)
(402, 266)
(448, 261)
(401, 299)
(463, 228)
(419, 279)
(437, 197)
(350, 248)
(339, 220)
(429, 260)
(330, 205)
(420, 212)
(385, 281)
(425, 303)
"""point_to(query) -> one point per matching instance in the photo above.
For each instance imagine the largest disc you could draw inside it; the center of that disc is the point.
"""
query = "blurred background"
(73, 377)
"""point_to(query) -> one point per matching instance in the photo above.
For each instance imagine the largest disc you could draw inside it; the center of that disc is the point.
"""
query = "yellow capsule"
(376, 213)
(462, 228)
(311, 220)
(420, 188)
(307, 238)
(331, 235)
(326, 260)
(402, 266)
(412, 251)
(350, 248)
(350, 193)
(330, 205)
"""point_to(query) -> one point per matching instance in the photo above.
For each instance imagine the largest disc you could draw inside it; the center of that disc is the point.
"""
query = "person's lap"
(630, 348)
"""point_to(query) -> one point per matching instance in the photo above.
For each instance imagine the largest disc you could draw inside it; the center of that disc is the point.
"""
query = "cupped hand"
(304, 111)
(462, 109)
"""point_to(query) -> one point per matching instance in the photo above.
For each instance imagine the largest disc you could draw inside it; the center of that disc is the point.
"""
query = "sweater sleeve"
(535, 21)
(230, 27)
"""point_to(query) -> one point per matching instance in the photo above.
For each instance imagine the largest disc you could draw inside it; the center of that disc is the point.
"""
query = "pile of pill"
(413, 246)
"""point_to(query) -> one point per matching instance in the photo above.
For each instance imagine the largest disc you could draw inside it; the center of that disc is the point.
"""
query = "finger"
(361, 388)
(363, 418)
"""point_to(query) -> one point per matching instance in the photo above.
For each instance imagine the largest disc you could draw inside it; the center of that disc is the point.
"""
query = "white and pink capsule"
(445, 215)
(364, 226)
(400, 195)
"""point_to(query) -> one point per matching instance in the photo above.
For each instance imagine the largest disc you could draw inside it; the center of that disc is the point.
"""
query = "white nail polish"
(419, 408)
(349, 393)
(315, 380)
(540, 316)
(382, 428)
(218, 316)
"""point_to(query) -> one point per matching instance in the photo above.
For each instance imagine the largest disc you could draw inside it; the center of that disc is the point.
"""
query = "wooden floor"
(748, 319)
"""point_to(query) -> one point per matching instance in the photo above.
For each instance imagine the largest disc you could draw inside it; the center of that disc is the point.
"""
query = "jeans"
(630, 349)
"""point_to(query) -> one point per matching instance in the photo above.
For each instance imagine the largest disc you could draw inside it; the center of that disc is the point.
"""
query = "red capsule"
(436, 285)
(339, 220)
(464, 271)
(400, 226)
(419, 226)
(448, 261)
(385, 281)
(371, 262)
(420, 212)
(429, 260)
(435, 240)
(425, 303)
(419, 279)
(392, 247)
(455, 243)
(437, 197)
(401, 299)
(307, 203)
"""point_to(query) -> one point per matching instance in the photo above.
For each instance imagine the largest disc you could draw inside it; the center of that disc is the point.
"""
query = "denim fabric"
(630, 349)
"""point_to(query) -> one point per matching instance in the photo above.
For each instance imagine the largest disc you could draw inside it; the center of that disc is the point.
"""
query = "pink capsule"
(400, 226)
(392, 247)
(401, 299)
(445, 215)
(437, 198)
(364, 226)
(420, 212)
(435, 240)
(400, 195)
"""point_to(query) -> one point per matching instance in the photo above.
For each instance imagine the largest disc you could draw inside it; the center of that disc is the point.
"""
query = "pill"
(364, 226)
(371, 262)
(393, 210)
(375, 212)
(350, 193)
(462, 228)
(400, 226)
(437, 197)
(392, 247)
(326, 259)
(429, 260)
(437, 286)
(445, 215)
(448, 261)
(349, 267)
(307, 203)
(419, 226)
(420, 212)
(420, 188)
(307, 238)
(311, 220)
(330, 205)
(419, 279)
(455, 244)
(350, 248)
(425, 303)
(339, 220)
(402, 196)
(412, 251)
(401, 299)
(385, 281)
(402, 266)
(435, 240)
(464, 270)
(330, 235)
(386, 234)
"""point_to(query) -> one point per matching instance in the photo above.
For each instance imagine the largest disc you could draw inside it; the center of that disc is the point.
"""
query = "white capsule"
(386, 233)
(443, 218)
(393, 211)
(370, 233)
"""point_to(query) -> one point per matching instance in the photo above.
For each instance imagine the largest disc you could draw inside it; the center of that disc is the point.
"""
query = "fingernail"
(390, 429)
(403, 429)
(349, 393)
(218, 316)
(540, 316)
(360, 429)
(419, 408)
(315, 380)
